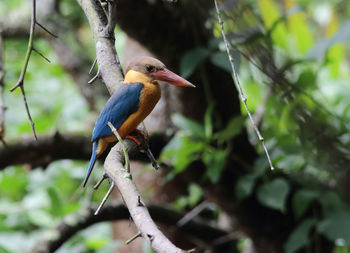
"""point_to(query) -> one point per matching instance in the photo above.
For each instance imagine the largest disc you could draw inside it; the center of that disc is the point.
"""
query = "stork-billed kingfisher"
(131, 103)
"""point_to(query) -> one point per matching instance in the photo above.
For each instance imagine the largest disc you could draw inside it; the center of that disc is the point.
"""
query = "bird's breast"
(149, 97)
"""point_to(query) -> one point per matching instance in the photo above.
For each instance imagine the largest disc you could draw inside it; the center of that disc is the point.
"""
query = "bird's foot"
(141, 140)
(144, 136)
(136, 136)
(134, 139)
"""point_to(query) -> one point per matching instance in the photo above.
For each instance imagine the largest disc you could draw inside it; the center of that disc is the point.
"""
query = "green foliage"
(195, 194)
(191, 60)
(215, 53)
(196, 142)
(305, 125)
(244, 186)
(273, 194)
(215, 161)
(302, 200)
(336, 226)
(299, 238)
(33, 201)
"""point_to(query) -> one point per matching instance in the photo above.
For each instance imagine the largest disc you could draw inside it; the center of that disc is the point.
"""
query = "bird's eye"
(150, 68)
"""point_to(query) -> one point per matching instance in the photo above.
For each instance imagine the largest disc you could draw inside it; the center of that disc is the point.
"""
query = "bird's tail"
(92, 162)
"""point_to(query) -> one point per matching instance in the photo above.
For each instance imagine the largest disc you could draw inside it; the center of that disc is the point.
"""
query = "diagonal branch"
(114, 167)
(239, 87)
(61, 146)
(112, 75)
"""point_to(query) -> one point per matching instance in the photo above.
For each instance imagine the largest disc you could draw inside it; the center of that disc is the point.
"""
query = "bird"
(131, 103)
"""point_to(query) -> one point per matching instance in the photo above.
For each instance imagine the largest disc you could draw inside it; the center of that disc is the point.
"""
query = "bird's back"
(123, 103)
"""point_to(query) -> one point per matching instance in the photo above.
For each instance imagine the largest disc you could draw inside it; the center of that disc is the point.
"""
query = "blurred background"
(292, 59)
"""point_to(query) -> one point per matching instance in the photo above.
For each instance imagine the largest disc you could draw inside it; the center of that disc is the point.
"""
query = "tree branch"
(61, 146)
(112, 75)
(106, 54)
(45, 150)
(114, 167)
(117, 211)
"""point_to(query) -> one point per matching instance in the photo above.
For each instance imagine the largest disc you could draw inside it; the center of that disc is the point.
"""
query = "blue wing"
(119, 106)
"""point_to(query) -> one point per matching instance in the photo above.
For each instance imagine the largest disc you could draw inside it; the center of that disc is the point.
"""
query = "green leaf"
(55, 200)
(331, 203)
(191, 60)
(233, 128)
(299, 27)
(40, 218)
(271, 17)
(300, 236)
(286, 120)
(302, 200)
(3, 250)
(96, 243)
(245, 185)
(192, 127)
(13, 182)
(215, 161)
(181, 151)
(273, 194)
(208, 123)
(307, 79)
(180, 203)
(336, 226)
(195, 194)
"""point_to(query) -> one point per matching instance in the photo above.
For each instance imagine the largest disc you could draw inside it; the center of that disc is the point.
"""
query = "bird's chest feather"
(149, 97)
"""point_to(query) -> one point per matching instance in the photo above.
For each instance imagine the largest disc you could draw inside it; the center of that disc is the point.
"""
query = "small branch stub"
(133, 238)
(95, 77)
(105, 198)
(104, 176)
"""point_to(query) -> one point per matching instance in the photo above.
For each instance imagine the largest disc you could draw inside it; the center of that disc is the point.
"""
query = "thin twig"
(92, 66)
(133, 238)
(24, 68)
(103, 5)
(2, 84)
(29, 48)
(238, 86)
(104, 176)
(95, 77)
(126, 155)
(28, 113)
(38, 52)
(46, 30)
(193, 213)
(105, 198)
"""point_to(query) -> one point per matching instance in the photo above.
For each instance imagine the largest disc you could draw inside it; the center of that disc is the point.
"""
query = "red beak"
(170, 77)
